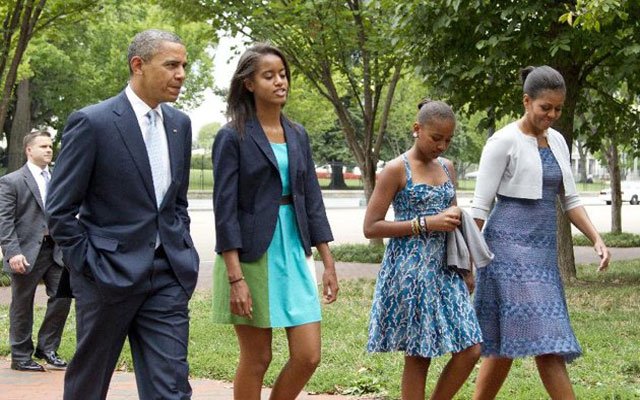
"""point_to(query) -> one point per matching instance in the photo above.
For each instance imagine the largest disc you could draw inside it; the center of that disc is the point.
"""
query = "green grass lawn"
(623, 239)
(201, 179)
(604, 311)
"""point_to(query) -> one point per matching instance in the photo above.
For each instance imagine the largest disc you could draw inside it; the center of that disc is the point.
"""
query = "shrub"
(201, 161)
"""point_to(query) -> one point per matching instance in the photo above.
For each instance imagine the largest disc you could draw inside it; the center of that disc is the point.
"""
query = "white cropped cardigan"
(510, 166)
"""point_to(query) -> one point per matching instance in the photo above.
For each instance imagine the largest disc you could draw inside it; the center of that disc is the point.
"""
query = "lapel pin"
(175, 131)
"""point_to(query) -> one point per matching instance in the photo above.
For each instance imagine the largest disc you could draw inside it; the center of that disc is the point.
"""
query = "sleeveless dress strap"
(407, 170)
(446, 170)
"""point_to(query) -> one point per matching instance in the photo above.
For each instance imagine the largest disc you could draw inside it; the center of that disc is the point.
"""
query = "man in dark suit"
(124, 171)
(31, 256)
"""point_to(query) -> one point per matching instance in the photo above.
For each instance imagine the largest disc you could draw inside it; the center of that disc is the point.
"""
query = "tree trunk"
(491, 114)
(369, 182)
(337, 177)
(20, 126)
(30, 16)
(368, 178)
(9, 26)
(582, 162)
(566, 260)
(610, 153)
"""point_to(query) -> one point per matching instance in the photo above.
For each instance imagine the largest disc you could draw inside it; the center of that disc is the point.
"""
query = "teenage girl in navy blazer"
(269, 212)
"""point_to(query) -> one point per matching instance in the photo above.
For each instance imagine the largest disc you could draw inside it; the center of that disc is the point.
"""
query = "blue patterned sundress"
(421, 306)
(520, 299)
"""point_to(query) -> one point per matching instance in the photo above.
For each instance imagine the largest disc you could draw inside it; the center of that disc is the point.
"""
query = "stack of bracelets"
(419, 225)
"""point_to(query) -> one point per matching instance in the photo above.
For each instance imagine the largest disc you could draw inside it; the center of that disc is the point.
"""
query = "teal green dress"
(283, 281)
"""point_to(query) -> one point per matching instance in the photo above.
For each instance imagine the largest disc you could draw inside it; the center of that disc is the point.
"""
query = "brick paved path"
(48, 385)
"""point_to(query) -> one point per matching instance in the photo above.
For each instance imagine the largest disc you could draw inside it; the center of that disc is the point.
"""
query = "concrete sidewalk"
(48, 385)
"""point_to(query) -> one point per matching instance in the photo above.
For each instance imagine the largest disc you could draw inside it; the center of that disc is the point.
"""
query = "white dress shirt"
(42, 184)
(141, 109)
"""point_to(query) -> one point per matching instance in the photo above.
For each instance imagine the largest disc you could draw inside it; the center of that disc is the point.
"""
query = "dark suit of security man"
(123, 170)
(31, 256)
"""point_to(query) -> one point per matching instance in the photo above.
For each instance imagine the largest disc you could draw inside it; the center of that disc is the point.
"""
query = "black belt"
(288, 199)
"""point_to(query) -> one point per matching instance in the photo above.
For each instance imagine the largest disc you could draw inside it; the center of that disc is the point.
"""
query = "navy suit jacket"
(247, 190)
(103, 176)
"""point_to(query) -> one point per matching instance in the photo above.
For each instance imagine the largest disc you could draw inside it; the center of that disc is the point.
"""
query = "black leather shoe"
(27, 365)
(52, 359)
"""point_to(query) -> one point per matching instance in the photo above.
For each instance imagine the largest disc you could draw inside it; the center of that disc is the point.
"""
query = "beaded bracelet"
(419, 225)
(423, 224)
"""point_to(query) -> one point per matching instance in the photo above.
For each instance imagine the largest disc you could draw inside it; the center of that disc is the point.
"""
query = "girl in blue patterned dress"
(420, 306)
(520, 298)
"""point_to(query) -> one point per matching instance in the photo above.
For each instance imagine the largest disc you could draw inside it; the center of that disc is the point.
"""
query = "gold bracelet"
(415, 226)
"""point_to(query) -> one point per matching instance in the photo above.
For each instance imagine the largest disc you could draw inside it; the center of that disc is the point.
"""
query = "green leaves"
(559, 44)
(593, 14)
(84, 61)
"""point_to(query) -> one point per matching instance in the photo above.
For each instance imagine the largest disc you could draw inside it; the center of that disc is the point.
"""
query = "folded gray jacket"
(466, 244)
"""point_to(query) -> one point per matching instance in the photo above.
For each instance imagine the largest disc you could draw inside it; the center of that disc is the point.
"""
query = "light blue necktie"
(154, 151)
(47, 179)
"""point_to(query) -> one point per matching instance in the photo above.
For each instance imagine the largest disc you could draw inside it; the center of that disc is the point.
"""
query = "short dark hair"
(30, 137)
(428, 110)
(240, 102)
(147, 43)
(537, 79)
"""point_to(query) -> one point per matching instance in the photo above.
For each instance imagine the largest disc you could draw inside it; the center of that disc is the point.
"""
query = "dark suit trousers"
(23, 290)
(157, 324)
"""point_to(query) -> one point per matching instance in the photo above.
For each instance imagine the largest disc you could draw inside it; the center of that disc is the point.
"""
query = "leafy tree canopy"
(86, 61)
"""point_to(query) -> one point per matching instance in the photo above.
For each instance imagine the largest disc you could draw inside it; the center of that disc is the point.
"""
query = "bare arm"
(454, 179)
(329, 277)
(579, 217)
(240, 301)
(391, 180)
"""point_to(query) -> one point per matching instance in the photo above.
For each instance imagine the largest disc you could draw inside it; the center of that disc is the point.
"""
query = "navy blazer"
(103, 176)
(247, 190)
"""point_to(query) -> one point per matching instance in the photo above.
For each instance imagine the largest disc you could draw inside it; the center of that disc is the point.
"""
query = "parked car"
(630, 192)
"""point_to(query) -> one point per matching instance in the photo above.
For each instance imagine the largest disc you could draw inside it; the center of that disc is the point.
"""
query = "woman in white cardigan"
(519, 299)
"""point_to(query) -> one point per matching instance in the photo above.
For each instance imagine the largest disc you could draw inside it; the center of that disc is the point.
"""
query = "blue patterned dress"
(519, 298)
(420, 305)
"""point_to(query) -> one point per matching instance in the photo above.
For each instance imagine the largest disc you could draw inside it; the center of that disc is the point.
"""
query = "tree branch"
(8, 28)
(387, 108)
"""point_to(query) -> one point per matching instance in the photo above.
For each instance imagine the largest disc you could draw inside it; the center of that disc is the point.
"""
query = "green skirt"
(282, 282)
